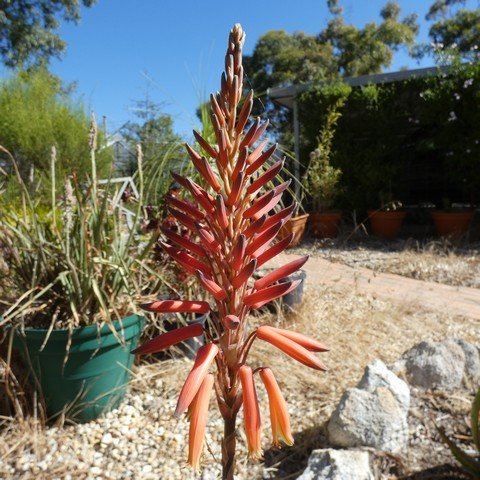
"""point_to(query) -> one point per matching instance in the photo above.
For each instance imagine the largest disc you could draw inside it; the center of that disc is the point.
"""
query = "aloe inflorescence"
(235, 217)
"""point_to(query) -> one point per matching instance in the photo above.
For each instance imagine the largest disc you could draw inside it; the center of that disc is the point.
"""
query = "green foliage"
(321, 178)
(36, 113)
(454, 28)
(28, 29)
(423, 128)
(471, 464)
(74, 263)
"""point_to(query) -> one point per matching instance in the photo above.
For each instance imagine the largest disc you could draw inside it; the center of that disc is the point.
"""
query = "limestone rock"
(378, 375)
(435, 365)
(372, 419)
(472, 362)
(332, 464)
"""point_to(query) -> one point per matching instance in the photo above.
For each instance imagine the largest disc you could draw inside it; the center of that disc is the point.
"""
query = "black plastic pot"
(295, 298)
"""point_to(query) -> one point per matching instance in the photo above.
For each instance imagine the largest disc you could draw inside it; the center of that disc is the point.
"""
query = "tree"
(38, 112)
(28, 29)
(338, 50)
(454, 28)
(162, 148)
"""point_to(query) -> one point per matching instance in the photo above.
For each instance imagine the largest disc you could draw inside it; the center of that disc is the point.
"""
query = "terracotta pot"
(452, 223)
(386, 224)
(325, 225)
(295, 225)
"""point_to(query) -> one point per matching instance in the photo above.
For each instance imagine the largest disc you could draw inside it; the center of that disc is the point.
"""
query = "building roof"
(285, 95)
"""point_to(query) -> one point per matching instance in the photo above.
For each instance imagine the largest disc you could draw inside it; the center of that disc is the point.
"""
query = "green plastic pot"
(95, 376)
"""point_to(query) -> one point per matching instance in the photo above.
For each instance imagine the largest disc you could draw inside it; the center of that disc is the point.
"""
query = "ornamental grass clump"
(235, 222)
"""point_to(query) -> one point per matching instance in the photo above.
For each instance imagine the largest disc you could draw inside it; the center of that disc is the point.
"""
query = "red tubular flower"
(198, 422)
(254, 165)
(177, 306)
(306, 342)
(185, 207)
(245, 113)
(184, 219)
(279, 417)
(280, 273)
(270, 293)
(238, 253)
(181, 241)
(244, 274)
(204, 358)
(274, 250)
(261, 242)
(259, 205)
(242, 158)
(161, 342)
(209, 150)
(256, 152)
(255, 227)
(251, 412)
(186, 261)
(211, 286)
(221, 212)
(207, 238)
(262, 180)
(289, 347)
(283, 214)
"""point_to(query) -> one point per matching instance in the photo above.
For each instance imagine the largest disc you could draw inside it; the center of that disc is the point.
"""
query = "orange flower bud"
(161, 342)
(204, 358)
(279, 417)
(306, 342)
(289, 347)
(198, 421)
(251, 412)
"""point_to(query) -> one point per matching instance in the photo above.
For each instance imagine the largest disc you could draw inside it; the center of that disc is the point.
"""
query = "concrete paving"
(430, 295)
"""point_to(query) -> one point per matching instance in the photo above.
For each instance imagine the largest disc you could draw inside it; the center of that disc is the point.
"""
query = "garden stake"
(231, 219)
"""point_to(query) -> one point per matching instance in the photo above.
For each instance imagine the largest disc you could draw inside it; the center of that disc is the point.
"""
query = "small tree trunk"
(228, 448)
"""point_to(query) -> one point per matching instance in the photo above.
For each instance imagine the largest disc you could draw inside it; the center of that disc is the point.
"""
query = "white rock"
(378, 375)
(370, 419)
(332, 464)
(435, 365)
(107, 438)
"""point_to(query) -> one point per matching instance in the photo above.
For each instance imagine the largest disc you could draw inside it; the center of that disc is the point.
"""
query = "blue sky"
(174, 50)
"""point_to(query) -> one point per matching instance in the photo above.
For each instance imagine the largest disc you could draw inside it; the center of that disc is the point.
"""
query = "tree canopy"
(340, 49)
(28, 29)
(36, 113)
(454, 28)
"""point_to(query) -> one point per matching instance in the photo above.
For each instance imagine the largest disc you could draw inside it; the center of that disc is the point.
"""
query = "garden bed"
(434, 261)
(142, 439)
